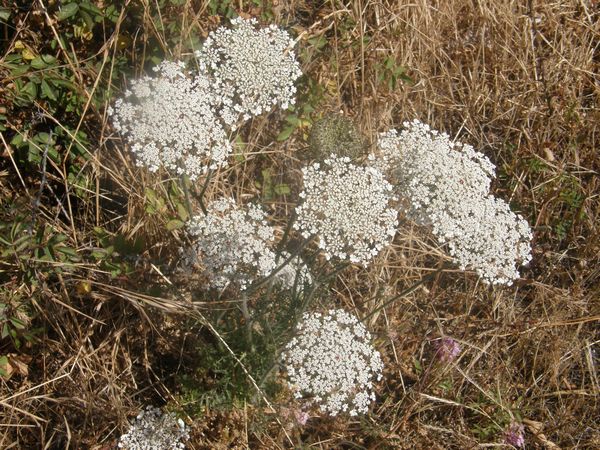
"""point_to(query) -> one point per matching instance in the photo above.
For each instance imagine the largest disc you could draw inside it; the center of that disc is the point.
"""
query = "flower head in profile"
(348, 208)
(232, 244)
(257, 66)
(446, 185)
(332, 362)
(155, 430)
(174, 120)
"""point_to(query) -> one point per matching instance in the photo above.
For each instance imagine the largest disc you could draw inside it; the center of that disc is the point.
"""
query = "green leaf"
(48, 91)
(17, 323)
(30, 90)
(175, 224)
(182, 212)
(38, 63)
(18, 71)
(281, 189)
(112, 13)
(286, 133)
(4, 14)
(67, 251)
(91, 8)
(3, 366)
(49, 59)
(66, 11)
(293, 119)
(17, 140)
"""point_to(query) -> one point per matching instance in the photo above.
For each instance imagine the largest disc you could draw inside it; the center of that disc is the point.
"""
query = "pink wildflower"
(447, 349)
(513, 435)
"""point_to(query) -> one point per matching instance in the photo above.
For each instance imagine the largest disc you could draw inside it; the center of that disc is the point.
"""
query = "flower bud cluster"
(446, 185)
(332, 361)
(234, 245)
(153, 430)
(348, 208)
(174, 120)
(257, 66)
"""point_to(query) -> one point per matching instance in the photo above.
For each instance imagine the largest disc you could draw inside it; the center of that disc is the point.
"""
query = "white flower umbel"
(153, 430)
(445, 185)
(431, 172)
(348, 208)
(487, 236)
(175, 121)
(257, 65)
(232, 244)
(332, 361)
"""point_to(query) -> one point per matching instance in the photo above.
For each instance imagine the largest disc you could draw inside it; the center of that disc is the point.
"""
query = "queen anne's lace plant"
(348, 208)
(332, 361)
(258, 66)
(176, 121)
(431, 172)
(446, 185)
(487, 237)
(153, 430)
(233, 244)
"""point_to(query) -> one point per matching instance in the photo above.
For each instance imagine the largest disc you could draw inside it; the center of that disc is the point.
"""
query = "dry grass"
(517, 80)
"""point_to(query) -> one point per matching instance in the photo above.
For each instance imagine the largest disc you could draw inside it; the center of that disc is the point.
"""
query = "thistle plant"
(348, 208)
(155, 430)
(445, 185)
(256, 67)
(335, 134)
(175, 120)
(332, 362)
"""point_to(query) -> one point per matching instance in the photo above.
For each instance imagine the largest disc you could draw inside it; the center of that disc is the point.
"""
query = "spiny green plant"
(335, 134)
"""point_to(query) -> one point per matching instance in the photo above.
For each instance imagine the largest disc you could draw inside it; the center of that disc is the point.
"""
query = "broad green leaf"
(17, 140)
(286, 133)
(30, 90)
(38, 63)
(175, 224)
(281, 189)
(48, 91)
(66, 11)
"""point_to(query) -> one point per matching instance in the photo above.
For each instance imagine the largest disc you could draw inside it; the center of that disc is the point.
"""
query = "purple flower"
(301, 417)
(513, 435)
(447, 349)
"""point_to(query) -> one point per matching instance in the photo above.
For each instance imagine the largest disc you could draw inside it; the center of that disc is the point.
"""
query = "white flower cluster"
(446, 185)
(489, 238)
(174, 120)
(347, 207)
(231, 243)
(153, 430)
(258, 66)
(234, 245)
(181, 121)
(431, 171)
(332, 360)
